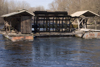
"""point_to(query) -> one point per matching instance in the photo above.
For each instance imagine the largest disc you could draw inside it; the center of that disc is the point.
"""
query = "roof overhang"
(85, 13)
(15, 13)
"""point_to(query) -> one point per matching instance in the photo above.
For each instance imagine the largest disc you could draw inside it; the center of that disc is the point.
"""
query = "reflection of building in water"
(19, 52)
(55, 52)
(18, 46)
(43, 52)
(58, 51)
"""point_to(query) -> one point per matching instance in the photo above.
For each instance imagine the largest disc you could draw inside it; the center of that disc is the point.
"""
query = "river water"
(50, 52)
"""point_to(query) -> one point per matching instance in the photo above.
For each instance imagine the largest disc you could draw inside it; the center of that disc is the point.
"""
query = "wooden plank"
(52, 19)
(54, 34)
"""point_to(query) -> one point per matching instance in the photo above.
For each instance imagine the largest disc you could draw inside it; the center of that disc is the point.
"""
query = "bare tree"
(75, 5)
(40, 8)
(53, 6)
(14, 5)
(11, 6)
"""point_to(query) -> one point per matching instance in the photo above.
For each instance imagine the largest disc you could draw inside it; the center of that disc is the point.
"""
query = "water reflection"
(50, 52)
(60, 53)
(17, 54)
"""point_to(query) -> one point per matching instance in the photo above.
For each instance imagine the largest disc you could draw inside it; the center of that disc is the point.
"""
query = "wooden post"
(56, 24)
(46, 25)
(69, 26)
(10, 27)
(34, 24)
(59, 24)
(95, 25)
(78, 24)
(62, 24)
(49, 25)
(86, 23)
(53, 24)
(42, 25)
(39, 28)
(5, 26)
(65, 24)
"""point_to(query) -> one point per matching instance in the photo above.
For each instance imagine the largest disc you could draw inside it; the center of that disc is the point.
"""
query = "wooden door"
(25, 24)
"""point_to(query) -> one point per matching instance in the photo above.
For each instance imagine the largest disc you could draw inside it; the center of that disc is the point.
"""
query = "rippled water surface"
(50, 52)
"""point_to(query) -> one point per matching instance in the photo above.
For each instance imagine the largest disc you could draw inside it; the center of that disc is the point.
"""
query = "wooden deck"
(14, 37)
(50, 34)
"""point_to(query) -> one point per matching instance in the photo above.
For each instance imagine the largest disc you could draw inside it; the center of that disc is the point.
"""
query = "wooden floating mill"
(17, 26)
(82, 18)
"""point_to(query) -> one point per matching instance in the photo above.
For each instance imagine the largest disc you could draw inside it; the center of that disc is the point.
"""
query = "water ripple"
(50, 52)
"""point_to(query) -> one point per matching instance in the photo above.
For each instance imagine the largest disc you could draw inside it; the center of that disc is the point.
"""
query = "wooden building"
(82, 18)
(51, 21)
(18, 21)
(17, 26)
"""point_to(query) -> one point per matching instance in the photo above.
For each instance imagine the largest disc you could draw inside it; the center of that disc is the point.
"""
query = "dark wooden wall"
(26, 24)
(20, 24)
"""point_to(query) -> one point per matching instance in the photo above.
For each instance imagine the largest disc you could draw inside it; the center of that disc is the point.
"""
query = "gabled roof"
(15, 13)
(86, 13)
